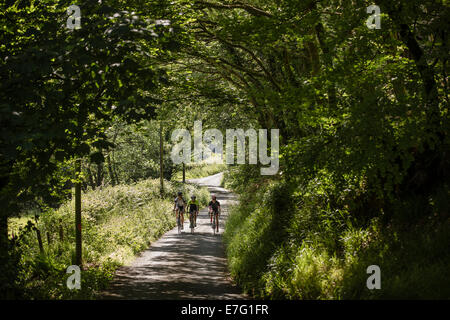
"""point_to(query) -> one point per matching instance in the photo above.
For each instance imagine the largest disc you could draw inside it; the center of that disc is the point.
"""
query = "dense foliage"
(298, 246)
(363, 118)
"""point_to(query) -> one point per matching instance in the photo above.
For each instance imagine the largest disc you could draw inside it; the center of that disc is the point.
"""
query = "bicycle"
(179, 222)
(215, 224)
(191, 221)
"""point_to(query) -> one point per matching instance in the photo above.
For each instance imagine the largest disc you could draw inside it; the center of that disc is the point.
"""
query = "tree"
(62, 87)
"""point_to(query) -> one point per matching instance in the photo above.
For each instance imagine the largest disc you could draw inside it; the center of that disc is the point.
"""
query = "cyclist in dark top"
(193, 206)
(214, 208)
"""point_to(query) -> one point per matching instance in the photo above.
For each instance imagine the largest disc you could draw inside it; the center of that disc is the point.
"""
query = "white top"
(179, 202)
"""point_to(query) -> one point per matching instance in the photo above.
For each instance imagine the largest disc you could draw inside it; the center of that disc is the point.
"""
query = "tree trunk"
(426, 71)
(90, 177)
(78, 247)
(328, 62)
(184, 172)
(61, 231)
(110, 170)
(116, 175)
(161, 171)
(3, 231)
(427, 74)
(113, 159)
(39, 238)
(99, 179)
(49, 239)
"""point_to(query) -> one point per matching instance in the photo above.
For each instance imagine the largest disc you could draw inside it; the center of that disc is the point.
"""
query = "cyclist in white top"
(179, 207)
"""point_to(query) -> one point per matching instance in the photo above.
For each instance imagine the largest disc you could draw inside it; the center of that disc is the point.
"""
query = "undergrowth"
(118, 223)
(285, 243)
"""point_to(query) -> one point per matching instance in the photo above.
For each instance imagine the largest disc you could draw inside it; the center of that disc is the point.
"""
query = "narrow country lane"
(182, 266)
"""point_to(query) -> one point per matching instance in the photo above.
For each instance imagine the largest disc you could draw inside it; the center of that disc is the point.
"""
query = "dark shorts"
(181, 208)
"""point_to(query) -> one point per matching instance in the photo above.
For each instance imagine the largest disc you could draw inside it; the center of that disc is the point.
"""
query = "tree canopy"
(363, 112)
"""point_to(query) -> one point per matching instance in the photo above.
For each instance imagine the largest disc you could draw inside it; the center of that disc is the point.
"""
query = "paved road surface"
(182, 266)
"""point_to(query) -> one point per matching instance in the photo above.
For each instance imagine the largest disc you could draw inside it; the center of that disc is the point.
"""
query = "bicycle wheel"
(214, 224)
(191, 218)
(217, 223)
(179, 224)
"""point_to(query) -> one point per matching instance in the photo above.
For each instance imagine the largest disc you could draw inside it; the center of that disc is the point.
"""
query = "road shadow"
(181, 266)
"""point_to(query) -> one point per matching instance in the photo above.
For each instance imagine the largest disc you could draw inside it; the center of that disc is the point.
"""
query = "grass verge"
(281, 245)
(118, 222)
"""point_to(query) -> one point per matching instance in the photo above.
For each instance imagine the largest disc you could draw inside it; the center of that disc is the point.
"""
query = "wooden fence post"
(49, 240)
(78, 240)
(61, 231)
(38, 234)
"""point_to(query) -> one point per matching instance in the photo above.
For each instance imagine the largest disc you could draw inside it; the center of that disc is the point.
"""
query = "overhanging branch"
(235, 5)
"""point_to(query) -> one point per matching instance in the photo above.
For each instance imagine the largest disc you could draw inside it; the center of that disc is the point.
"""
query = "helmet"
(213, 196)
(180, 193)
(193, 197)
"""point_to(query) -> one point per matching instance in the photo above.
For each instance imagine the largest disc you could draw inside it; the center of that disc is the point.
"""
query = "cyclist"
(214, 207)
(179, 207)
(193, 206)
